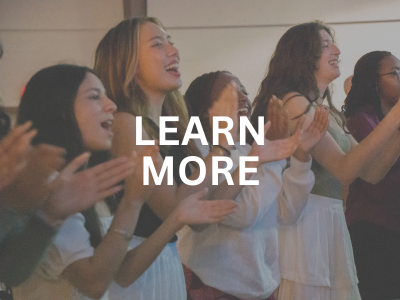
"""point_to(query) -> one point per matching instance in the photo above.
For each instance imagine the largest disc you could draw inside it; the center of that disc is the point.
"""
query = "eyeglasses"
(394, 73)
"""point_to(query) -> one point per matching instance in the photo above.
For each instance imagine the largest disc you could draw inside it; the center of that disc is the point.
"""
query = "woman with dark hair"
(316, 258)
(373, 210)
(68, 106)
(37, 195)
(238, 258)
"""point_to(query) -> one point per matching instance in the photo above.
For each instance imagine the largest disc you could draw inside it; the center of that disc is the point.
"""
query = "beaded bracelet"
(126, 235)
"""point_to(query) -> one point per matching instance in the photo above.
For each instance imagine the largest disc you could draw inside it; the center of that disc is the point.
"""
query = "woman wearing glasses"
(373, 211)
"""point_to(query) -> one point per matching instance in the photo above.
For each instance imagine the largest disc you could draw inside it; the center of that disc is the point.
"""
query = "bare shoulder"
(296, 104)
(124, 130)
(125, 124)
(124, 120)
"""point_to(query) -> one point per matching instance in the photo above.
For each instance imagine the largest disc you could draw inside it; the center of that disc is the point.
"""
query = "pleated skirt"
(315, 255)
(164, 279)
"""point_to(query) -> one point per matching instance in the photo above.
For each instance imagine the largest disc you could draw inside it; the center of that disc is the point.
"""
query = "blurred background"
(234, 35)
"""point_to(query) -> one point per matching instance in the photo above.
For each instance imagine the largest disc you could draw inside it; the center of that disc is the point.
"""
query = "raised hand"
(226, 106)
(192, 210)
(31, 185)
(313, 134)
(13, 151)
(76, 191)
(276, 149)
(279, 120)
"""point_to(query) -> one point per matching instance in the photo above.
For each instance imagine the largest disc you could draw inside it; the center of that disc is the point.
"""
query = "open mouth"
(334, 63)
(107, 125)
(243, 111)
(173, 69)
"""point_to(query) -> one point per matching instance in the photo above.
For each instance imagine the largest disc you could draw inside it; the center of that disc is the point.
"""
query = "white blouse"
(240, 255)
(70, 244)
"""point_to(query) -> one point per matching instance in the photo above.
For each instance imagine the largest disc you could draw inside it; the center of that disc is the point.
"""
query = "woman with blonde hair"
(139, 66)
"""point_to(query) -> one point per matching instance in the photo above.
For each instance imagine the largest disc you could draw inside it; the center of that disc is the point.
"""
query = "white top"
(240, 255)
(70, 244)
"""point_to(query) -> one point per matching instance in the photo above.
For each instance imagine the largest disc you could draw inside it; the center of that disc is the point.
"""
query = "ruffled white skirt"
(315, 255)
(164, 279)
(297, 291)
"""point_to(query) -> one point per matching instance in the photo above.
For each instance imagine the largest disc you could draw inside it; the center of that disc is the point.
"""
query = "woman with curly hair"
(238, 258)
(372, 210)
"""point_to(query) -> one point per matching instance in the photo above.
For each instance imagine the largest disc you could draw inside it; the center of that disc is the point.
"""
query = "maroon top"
(375, 203)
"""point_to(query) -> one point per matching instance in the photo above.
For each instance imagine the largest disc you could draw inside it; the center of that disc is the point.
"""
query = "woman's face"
(328, 68)
(244, 104)
(158, 68)
(94, 114)
(388, 83)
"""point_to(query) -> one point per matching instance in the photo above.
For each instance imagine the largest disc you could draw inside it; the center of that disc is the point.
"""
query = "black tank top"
(148, 221)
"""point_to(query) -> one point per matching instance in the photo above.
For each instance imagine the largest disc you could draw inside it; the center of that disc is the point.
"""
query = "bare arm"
(93, 275)
(347, 167)
(379, 165)
(190, 210)
(298, 180)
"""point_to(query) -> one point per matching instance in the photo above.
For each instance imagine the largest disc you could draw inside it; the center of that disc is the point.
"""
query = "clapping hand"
(31, 184)
(226, 106)
(76, 191)
(192, 210)
(13, 151)
(313, 134)
(277, 143)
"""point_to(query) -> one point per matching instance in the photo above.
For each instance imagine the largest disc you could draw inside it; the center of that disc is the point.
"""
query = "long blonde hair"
(116, 63)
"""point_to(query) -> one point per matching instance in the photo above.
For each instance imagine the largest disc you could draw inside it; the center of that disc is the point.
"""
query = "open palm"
(192, 210)
(76, 191)
(316, 130)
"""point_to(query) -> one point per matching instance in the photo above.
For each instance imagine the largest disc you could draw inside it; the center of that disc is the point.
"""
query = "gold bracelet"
(126, 235)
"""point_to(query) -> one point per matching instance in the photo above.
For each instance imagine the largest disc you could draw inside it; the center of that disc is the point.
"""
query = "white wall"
(240, 35)
(39, 33)
(234, 35)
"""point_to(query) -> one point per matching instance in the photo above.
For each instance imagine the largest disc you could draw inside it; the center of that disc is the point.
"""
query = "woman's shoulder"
(292, 96)
(123, 122)
(296, 104)
(122, 117)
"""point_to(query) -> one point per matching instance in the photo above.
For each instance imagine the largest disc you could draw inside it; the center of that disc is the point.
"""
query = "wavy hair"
(116, 63)
(365, 88)
(292, 68)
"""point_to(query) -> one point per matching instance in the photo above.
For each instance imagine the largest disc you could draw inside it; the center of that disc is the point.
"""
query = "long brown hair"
(116, 63)
(292, 68)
